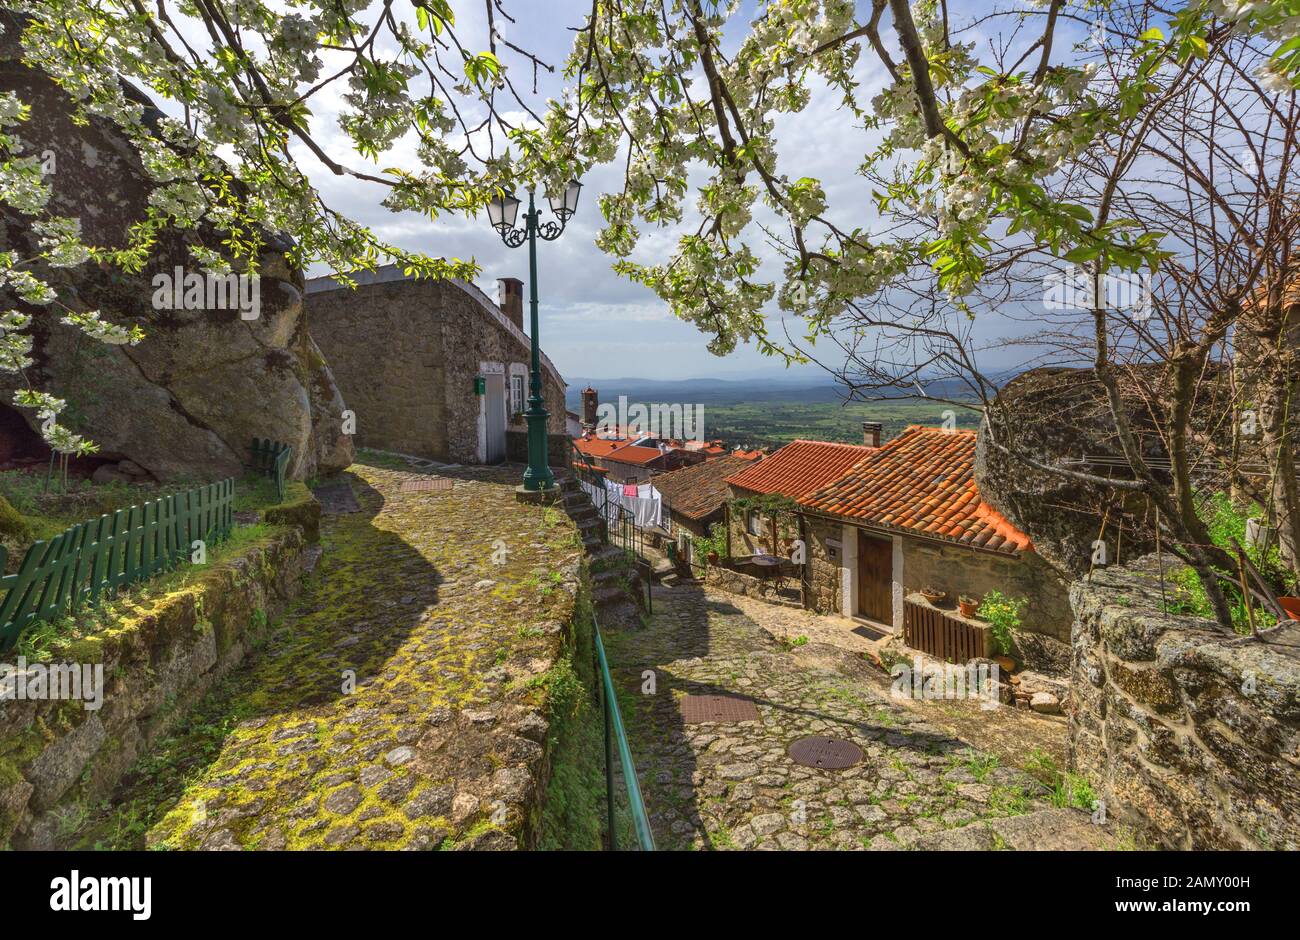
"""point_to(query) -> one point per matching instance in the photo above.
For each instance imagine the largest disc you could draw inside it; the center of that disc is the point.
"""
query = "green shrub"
(1003, 616)
(715, 541)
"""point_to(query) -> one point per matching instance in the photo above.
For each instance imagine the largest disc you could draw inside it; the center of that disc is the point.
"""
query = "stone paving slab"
(336, 499)
(729, 785)
(397, 706)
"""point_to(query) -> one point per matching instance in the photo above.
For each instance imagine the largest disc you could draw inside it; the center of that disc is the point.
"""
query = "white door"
(496, 418)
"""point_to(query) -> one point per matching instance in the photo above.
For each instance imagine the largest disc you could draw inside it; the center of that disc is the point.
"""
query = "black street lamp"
(502, 213)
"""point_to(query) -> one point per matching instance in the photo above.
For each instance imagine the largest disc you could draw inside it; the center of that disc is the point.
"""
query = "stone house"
(910, 516)
(433, 368)
(797, 469)
(695, 498)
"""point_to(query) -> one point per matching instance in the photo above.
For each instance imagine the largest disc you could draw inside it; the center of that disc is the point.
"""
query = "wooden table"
(769, 567)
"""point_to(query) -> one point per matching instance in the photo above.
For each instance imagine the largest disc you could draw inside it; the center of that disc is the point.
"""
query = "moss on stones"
(380, 712)
(299, 508)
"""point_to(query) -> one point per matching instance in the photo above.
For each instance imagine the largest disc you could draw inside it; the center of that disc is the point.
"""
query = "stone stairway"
(616, 585)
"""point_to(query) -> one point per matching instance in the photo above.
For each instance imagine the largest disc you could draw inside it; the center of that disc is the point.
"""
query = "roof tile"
(921, 481)
(799, 468)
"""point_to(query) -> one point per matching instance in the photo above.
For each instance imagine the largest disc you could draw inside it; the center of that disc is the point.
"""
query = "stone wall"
(557, 447)
(57, 757)
(405, 354)
(737, 582)
(743, 543)
(960, 571)
(825, 580)
(1189, 732)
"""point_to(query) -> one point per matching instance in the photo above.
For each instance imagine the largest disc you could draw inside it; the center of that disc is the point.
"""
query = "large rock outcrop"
(188, 400)
(1052, 416)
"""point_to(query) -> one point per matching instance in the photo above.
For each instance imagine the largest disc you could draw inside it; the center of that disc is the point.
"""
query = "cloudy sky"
(594, 323)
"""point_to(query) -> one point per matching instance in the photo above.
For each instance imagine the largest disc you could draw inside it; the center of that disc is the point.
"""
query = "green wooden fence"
(271, 458)
(75, 567)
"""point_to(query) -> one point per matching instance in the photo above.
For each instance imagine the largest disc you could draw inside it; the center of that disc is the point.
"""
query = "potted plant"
(711, 546)
(966, 605)
(933, 594)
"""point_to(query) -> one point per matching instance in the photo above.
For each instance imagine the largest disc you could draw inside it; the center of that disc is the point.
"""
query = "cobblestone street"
(733, 785)
(395, 706)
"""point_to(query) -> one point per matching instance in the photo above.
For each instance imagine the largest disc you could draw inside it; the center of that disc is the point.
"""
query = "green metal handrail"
(614, 731)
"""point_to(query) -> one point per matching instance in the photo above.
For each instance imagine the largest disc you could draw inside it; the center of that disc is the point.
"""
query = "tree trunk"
(1277, 423)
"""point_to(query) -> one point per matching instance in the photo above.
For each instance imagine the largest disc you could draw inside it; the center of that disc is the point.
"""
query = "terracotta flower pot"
(967, 606)
(934, 597)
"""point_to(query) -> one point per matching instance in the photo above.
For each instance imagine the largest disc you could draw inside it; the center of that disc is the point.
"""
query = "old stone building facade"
(430, 368)
(911, 517)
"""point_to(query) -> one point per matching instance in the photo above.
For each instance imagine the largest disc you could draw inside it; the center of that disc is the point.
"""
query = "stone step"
(622, 615)
(1043, 830)
(611, 594)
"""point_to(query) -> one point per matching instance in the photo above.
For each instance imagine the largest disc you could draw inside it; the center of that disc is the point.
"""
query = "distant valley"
(769, 413)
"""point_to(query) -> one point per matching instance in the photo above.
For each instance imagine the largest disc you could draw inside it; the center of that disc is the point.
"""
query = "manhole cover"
(699, 708)
(426, 485)
(826, 753)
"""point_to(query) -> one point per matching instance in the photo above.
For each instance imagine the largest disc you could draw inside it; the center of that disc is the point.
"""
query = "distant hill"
(731, 391)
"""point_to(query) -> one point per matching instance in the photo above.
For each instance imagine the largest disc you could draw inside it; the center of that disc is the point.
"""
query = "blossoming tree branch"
(980, 118)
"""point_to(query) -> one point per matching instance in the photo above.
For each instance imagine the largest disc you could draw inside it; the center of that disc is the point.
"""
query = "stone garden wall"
(58, 758)
(1189, 732)
(737, 582)
(963, 571)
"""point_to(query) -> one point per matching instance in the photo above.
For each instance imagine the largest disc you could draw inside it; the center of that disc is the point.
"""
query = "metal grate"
(427, 485)
(727, 708)
(825, 753)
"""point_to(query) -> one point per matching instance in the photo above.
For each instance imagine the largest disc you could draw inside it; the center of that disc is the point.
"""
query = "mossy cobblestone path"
(400, 704)
(733, 785)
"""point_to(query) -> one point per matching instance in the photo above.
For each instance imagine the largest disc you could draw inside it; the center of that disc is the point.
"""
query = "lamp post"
(502, 213)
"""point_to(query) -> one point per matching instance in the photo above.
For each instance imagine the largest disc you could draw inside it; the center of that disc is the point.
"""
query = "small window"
(516, 394)
(753, 523)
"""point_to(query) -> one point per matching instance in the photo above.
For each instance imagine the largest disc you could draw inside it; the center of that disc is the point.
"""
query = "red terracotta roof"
(596, 447)
(800, 467)
(922, 481)
(630, 453)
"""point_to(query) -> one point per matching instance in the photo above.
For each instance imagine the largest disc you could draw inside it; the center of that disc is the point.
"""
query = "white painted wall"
(849, 573)
(896, 574)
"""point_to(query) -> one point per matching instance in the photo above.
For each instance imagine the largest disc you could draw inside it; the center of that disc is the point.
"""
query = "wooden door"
(875, 578)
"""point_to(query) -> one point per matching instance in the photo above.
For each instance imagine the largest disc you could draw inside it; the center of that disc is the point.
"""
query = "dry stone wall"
(1190, 733)
(59, 757)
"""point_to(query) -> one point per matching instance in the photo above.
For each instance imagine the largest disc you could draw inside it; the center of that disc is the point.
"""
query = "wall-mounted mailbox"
(480, 385)
(833, 550)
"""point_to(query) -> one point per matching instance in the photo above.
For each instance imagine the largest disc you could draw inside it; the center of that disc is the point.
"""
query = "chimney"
(510, 298)
(871, 433)
(590, 405)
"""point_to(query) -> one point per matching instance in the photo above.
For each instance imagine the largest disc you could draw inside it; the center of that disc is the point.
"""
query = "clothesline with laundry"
(642, 501)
